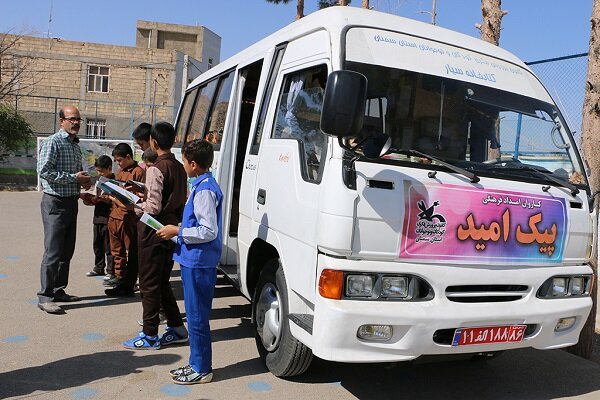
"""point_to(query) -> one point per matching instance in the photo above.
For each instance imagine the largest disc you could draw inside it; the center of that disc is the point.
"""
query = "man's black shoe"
(65, 298)
(112, 282)
(119, 292)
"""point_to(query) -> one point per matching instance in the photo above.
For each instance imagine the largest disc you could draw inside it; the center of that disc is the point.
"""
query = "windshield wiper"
(409, 152)
(547, 175)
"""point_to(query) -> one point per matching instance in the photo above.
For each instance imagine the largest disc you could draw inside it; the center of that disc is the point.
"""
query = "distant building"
(115, 87)
(196, 41)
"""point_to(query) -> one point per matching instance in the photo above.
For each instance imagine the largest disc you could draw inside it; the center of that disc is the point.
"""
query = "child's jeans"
(198, 292)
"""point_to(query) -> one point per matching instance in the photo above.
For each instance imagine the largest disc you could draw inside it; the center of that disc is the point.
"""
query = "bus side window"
(216, 123)
(264, 105)
(299, 115)
(184, 117)
(200, 114)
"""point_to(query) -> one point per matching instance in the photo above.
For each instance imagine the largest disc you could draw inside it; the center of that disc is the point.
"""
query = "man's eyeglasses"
(73, 120)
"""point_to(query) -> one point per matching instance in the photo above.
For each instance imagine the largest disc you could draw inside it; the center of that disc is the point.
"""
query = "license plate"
(488, 334)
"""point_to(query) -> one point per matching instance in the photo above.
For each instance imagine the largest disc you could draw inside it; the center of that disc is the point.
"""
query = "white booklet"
(154, 224)
(123, 195)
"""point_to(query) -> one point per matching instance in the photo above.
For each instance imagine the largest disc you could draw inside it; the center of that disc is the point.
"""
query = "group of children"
(136, 251)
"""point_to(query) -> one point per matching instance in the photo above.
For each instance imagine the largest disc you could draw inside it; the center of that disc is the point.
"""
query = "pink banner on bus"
(455, 223)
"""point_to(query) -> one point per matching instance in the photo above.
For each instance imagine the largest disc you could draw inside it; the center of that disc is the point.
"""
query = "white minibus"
(394, 189)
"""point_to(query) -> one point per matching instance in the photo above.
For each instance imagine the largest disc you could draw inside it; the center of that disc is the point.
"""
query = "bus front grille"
(486, 293)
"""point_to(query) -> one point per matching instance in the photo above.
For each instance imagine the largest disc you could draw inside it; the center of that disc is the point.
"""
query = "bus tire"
(283, 354)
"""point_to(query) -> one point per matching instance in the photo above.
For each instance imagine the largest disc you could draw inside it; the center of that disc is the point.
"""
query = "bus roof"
(336, 19)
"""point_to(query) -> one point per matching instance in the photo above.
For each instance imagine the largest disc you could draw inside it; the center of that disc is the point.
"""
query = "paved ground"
(78, 355)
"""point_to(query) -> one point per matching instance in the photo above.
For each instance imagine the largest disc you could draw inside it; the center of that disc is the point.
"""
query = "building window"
(210, 63)
(96, 129)
(98, 79)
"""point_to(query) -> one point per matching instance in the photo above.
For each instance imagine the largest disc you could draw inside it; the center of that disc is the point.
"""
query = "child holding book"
(198, 251)
(164, 200)
(122, 227)
(103, 259)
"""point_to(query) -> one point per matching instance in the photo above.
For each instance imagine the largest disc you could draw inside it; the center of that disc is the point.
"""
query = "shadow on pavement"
(519, 374)
(241, 331)
(232, 311)
(99, 301)
(77, 371)
(251, 367)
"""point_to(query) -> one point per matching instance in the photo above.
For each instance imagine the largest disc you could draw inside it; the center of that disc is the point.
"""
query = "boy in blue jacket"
(198, 252)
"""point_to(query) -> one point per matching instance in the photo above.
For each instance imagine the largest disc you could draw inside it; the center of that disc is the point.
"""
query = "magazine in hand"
(103, 179)
(123, 195)
(154, 224)
(135, 185)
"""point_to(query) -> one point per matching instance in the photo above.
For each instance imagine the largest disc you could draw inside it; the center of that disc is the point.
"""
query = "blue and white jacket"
(200, 236)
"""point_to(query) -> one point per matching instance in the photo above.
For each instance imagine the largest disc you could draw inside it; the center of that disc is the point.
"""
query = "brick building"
(115, 87)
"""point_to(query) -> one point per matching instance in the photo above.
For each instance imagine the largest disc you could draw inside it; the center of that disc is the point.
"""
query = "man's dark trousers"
(59, 216)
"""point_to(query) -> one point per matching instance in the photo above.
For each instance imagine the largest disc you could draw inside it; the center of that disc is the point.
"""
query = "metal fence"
(103, 119)
(565, 77)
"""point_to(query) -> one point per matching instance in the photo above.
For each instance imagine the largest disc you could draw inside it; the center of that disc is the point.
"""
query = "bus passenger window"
(216, 124)
(184, 117)
(299, 115)
(196, 129)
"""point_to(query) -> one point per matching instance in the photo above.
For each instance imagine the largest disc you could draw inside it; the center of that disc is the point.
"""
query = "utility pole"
(432, 12)
(50, 25)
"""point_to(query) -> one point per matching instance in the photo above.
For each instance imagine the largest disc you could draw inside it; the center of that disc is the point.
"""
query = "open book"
(123, 195)
(135, 185)
(154, 224)
(103, 179)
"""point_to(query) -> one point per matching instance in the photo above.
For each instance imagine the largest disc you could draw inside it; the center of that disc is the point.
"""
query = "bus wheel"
(282, 353)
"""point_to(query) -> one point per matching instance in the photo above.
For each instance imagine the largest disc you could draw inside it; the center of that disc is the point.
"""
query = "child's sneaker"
(181, 371)
(191, 377)
(143, 342)
(174, 335)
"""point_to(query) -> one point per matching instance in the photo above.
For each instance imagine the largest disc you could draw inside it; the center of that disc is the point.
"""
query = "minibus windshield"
(482, 129)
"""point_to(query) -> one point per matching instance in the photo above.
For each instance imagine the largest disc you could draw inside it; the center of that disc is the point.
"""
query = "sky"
(533, 29)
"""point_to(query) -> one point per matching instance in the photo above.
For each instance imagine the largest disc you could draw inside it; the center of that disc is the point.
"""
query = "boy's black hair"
(103, 162)
(164, 134)
(122, 150)
(149, 156)
(142, 132)
(199, 150)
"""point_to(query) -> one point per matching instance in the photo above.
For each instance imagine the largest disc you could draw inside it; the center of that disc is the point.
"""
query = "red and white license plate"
(488, 334)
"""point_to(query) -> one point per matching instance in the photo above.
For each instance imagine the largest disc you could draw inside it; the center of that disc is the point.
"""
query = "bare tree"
(299, 6)
(492, 13)
(590, 143)
(16, 76)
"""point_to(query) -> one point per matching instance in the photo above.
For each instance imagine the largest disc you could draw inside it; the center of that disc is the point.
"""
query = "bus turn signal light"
(331, 283)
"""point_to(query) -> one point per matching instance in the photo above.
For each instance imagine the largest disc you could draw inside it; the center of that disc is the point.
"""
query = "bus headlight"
(577, 286)
(359, 285)
(565, 287)
(394, 286)
(559, 286)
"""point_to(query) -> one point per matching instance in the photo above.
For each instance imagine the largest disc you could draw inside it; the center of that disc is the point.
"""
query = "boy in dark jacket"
(103, 258)
(166, 188)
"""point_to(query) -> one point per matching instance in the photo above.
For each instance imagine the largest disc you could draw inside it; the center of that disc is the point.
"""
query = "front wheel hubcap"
(268, 316)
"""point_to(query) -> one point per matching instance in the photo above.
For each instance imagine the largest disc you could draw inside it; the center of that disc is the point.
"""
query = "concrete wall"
(139, 77)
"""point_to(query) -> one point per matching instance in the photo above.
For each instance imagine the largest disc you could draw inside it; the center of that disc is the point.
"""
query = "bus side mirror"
(344, 104)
